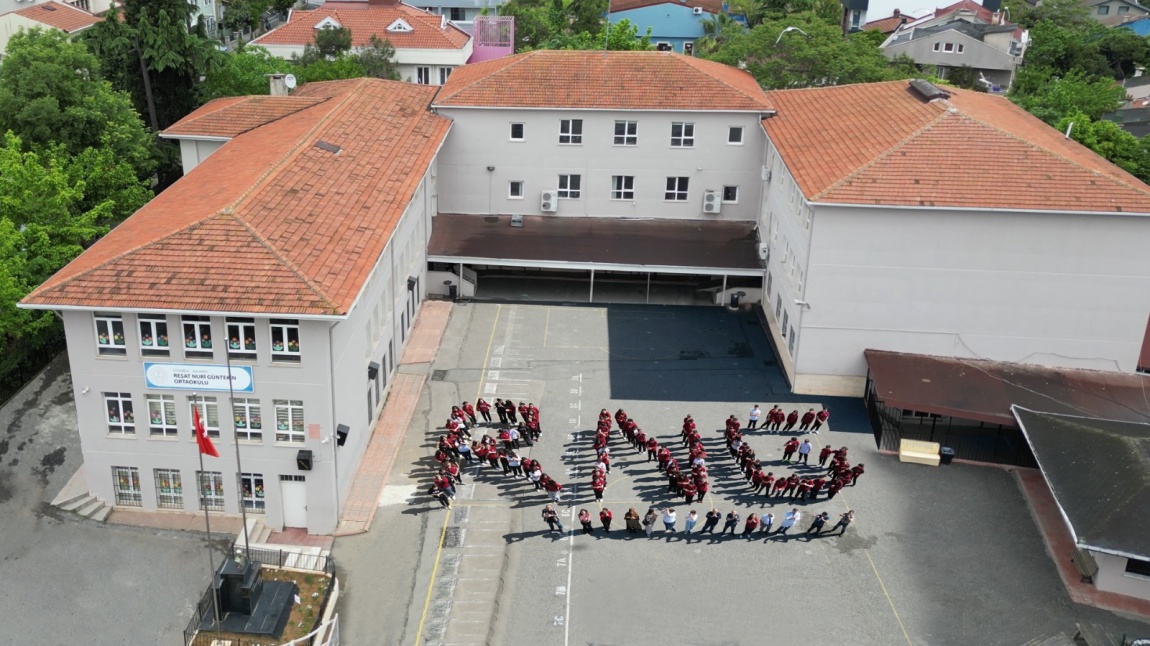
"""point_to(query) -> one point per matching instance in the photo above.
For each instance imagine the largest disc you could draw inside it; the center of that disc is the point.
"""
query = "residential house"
(675, 25)
(247, 291)
(427, 46)
(1134, 117)
(91, 6)
(888, 25)
(1136, 22)
(962, 38)
(45, 15)
(461, 12)
(1104, 9)
(950, 222)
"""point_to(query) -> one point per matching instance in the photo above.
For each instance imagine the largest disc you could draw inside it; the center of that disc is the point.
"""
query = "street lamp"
(790, 29)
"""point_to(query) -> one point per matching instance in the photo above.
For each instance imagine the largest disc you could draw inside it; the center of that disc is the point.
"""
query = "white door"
(294, 494)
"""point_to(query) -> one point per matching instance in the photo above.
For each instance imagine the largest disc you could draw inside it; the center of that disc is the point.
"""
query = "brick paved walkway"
(374, 469)
(1060, 546)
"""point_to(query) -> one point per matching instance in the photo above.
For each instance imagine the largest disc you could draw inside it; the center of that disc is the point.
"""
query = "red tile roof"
(64, 17)
(270, 223)
(886, 25)
(965, 5)
(880, 143)
(365, 20)
(603, 80)
(232, 116)
(710, 6)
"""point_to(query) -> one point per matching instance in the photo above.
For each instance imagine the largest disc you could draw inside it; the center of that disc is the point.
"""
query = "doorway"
(293, 492)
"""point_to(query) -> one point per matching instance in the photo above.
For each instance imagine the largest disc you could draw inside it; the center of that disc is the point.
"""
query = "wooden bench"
(1086, 565)
(918, 452)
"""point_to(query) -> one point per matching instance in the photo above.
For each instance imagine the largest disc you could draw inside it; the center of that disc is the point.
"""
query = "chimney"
(897, 14)
(992, 5)
(996, 18)
(278, 85)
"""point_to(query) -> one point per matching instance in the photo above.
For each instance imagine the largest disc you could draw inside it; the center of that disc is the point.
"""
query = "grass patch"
(305, 616)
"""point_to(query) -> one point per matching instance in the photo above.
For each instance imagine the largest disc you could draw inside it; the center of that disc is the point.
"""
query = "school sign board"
(190, 376)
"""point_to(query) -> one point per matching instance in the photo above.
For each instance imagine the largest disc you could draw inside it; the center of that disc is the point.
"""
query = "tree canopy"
(571, 24)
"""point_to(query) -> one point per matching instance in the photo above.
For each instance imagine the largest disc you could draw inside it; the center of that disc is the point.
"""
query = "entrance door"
(293, 491)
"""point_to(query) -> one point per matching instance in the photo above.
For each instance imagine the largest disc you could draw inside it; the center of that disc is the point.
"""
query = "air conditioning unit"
(766, 174)
(698, 11)
(549, 201)
(712, 202)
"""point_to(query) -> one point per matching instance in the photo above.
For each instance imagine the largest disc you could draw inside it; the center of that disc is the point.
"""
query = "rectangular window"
(153, 335)
(162, 415)
(937, 46)
(1138, 567)
(211, 490)
(786, 319)
(515, 189)
(289, 420)
(110, 335)
(1123, 9)
(791, 342)
(778, 307)
(731, 194)
(682, 135)
(800, 289)
(197, 337)
(676, 189)
(252, 496)
(948, 47)
(569, 186)
(571, 131)
(121, 417)
(209, 414)
(770, 283)
(241, 338)
(285, 340)
(626, 133)
(445, 72)
(458, 14)
(169, 489)
(249, 425)
(689, 49)
(961, 48)
(423, 75)
(735, 135)
(517, 132)
(1103, 10)
(126, 481)
(622, 187)
(807, 217)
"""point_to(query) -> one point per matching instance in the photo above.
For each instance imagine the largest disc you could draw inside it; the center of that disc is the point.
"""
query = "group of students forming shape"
(695, 483)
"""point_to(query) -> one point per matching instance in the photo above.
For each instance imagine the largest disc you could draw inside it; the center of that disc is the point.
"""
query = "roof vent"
(331, 148)
(928, 90)
(48, 7)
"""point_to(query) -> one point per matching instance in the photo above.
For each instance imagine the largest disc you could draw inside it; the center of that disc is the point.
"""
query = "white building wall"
(1066, 290)
(480, 138)
(1112, 577)
(193, 152)
(406, 59)
(331, 380)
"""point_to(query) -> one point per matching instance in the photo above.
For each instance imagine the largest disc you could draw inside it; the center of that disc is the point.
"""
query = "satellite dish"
(289, 81)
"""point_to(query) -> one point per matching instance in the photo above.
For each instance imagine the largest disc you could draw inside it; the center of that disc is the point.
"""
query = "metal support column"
(648, 288)
(591, 296)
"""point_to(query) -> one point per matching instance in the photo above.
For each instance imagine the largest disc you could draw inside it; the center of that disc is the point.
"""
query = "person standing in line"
(649, 521)
(777, 419)
(441, 496)
(653, 449)
(535, 476)
(598, 484)
(789, 449)
(585, 520)
(804, 452)
(605, 517)
(805, 422)
(500, 411)
(690, 522)
(641, 442)
(631, 518)
(792, 419)
(713, 518)
(749, 528)
(464, 449)
(689, 490)
(669, 518)
(765, 523)
(821, 418)
(856, 471)
(845, 521)
(515, 464)
(732, 523)
(804, 489)
(509, 408)
(452, 469)
(816, 527)
(833, 488)
(515, 433)
(469, 410)
(753, 417)
(552, 518)
(789, 520)
(484, 410)
(824, 454)
(554, 489)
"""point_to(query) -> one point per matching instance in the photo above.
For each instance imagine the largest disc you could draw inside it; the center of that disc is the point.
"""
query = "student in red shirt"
(752, 523)
(789, 449)
(808, 417)
(821, 418)
(484, 410)
(605, 517)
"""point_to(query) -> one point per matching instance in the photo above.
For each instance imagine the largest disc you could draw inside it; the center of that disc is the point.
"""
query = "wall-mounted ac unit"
(698, 11)
(712, 202)
(549, 202)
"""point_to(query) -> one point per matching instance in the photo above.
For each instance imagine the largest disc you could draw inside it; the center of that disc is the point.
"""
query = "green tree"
(51, 93)
(532, 21)
(618, 36)
(332, 41)
(242, 15)
(1124, 51)
(243, 72)
(1065, 13)
(821, 56)
(1050, 97)
(717, 30)
(1063, 49)
(378, 60)
(342, 67)
(965, 77)
(1109, 140)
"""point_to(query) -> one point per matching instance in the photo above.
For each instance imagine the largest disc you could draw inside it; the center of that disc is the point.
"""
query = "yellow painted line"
(611, 483)
(888, 599)
(447, 516)
(434, 571)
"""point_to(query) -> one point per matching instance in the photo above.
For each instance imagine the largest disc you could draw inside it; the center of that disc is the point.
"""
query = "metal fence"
(285, 558)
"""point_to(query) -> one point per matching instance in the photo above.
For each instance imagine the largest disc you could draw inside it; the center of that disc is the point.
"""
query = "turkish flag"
(202, 439)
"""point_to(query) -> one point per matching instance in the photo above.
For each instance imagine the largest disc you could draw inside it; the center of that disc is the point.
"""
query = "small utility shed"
(1099, 473)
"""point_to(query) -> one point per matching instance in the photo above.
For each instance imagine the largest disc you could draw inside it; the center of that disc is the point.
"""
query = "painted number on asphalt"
(560, 590)
(559, 620)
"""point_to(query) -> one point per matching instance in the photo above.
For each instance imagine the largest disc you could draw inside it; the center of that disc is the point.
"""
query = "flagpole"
(207, 525)
(239, 469)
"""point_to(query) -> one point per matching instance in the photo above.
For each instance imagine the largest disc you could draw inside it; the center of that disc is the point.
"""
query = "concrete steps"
(294, 556)
(87, 506)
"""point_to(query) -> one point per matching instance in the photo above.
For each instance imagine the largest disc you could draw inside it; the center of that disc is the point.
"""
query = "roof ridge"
(691, 60)
(506, 66)
(314, 101)
(1145, 189)
(885, 154)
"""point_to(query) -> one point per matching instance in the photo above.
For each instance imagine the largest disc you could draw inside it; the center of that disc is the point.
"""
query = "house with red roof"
(46, 15)
(427, 46)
